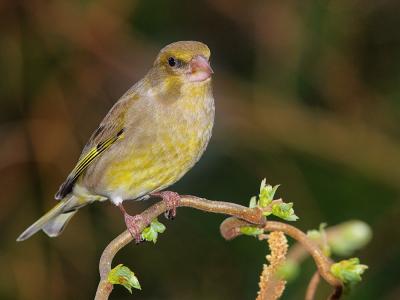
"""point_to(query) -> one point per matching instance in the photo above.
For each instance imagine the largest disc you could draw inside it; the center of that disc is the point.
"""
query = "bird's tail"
(55, 220)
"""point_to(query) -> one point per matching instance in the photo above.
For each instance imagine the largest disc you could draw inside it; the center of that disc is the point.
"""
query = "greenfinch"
(148, 140)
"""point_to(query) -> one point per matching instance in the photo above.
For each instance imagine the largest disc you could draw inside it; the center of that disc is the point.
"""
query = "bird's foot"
(171, 199)
(132, 224)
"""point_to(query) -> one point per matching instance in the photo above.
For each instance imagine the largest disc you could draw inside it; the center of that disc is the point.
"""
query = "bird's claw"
(172, 201)
(132, 226)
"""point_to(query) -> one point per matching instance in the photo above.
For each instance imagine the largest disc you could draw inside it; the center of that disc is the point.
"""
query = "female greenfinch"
(148, 140)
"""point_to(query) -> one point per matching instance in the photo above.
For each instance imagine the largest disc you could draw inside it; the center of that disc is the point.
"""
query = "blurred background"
(307, 95)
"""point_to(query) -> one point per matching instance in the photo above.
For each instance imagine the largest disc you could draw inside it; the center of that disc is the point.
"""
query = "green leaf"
(267, 193)
(273, 191)
(124, 276)
(151, 232)
(263, 184)
(253, 202)
(348, 271)
(158, 227)
(252, 231)
(284, 211)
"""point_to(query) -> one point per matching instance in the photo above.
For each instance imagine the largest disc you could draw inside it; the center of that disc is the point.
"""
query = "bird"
(150, 138)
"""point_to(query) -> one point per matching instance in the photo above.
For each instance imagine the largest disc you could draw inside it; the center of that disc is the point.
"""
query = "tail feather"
(53, 222)
(56, 225)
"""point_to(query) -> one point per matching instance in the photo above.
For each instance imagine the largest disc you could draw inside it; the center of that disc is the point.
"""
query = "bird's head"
(187, 61)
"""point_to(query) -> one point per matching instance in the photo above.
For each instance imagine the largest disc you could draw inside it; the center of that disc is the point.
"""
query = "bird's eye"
(172, 61)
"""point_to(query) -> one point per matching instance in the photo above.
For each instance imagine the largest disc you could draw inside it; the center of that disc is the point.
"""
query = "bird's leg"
(171, 199)
(131, 224)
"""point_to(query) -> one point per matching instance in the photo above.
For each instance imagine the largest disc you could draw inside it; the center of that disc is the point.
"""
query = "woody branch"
(230, 228)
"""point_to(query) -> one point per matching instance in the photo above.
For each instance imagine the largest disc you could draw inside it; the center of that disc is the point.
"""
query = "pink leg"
(132, 224)
(171, 199)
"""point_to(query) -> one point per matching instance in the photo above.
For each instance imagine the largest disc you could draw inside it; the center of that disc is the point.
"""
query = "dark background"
(307, 95)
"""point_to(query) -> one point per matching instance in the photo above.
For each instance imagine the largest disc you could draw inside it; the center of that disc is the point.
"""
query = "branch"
(230, 228)
(312, 287)
(344, 239)
(253, 216)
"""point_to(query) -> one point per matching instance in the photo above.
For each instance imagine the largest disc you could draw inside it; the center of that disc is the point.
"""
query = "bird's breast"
(160, 150)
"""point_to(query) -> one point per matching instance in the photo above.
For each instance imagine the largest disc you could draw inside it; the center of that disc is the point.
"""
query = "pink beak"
(200, 69)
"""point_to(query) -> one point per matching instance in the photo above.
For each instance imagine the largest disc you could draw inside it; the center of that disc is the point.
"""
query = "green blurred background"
(307, 95)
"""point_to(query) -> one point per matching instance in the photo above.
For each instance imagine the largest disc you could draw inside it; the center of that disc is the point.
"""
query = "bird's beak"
(200, 69)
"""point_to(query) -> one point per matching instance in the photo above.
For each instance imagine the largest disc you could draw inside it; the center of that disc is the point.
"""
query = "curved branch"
(312, 287)
(253, 216)
(230, 228)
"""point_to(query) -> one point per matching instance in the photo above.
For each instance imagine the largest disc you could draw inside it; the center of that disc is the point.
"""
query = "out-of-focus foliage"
(289, 270)
(351, 236)
(307, 95)
(320, 237)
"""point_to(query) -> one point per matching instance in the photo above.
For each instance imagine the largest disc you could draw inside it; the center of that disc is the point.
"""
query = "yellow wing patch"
(84, 162)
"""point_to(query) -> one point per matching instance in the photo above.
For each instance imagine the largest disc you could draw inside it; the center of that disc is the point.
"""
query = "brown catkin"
(271, 286)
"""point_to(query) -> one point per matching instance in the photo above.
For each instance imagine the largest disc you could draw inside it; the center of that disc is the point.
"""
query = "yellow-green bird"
(148, 140)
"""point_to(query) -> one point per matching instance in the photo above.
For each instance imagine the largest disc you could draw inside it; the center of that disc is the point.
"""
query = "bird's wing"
(107, 134)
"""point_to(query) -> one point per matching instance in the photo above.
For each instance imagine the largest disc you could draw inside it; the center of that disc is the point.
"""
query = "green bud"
(284, 211)
(250, 230)
(151, 232)
(158, 226)
(267, 193)
(124, 276)
(348, 271)
(253, 202)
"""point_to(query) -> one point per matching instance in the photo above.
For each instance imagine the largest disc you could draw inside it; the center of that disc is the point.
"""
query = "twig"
(297, 253)
(230, 228)
(312, 287)
(253, 216)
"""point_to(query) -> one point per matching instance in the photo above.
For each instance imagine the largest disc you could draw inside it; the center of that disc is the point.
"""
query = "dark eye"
(171, 61)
